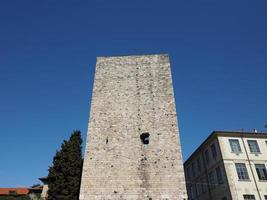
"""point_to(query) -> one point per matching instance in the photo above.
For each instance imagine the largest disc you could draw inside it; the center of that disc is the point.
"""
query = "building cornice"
(216, 134)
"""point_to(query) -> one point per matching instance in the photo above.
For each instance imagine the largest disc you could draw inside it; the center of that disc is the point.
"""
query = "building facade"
(44, 193)
(133, 149)
(228, 166)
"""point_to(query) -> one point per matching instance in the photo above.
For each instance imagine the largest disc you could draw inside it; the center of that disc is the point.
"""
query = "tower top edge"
(133, 56)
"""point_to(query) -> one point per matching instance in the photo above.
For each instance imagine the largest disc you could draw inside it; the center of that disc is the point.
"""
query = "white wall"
(238, 188)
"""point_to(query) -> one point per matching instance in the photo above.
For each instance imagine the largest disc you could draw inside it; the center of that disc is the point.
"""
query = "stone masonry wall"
(133, 95)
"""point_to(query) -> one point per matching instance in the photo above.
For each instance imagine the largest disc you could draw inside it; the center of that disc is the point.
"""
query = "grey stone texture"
(133, 95)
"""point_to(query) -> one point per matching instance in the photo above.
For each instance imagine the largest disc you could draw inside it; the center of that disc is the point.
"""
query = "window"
(193, 169)
(261, 171)
(219, 175)
(199, 164)
(190, 192)
(241, 171)
(203, 185)
(198, 189)
(193, 191)
(207, 156)
(253, 146)
(235, 146)
(265, 197)
(211, 179)
(188, 172)
(249, 197)
(213, 151)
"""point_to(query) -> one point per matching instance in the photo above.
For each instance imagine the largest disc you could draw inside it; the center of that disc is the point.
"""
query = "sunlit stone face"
(133, 148)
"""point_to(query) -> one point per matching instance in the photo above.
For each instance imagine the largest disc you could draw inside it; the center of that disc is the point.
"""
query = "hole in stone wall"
(106, 140)
(145, 137)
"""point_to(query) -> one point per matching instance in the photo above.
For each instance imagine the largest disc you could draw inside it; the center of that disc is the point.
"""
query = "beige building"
(133, 148)
(44, 194)
(228, 165)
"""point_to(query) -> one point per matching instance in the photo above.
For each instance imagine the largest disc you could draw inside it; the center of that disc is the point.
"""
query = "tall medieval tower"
(133, 148)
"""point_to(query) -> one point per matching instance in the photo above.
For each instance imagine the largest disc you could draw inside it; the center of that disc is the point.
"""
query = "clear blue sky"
(218, 52)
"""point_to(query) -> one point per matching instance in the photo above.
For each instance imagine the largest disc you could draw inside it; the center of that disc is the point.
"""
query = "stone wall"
(133, 95)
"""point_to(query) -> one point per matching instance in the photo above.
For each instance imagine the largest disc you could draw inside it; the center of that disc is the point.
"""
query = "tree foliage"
(15, 197)
(65, 174)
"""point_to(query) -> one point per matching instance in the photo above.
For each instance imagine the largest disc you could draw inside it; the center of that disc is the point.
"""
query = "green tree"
(15, 198)
(23, 198)
(65, 174)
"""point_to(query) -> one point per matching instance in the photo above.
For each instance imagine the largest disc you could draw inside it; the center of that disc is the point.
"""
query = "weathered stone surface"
(133, 95)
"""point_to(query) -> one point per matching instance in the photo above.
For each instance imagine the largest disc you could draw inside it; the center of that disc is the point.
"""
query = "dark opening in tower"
(145, 137)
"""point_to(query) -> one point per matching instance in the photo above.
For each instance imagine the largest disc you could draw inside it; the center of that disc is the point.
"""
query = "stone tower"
(133, 148)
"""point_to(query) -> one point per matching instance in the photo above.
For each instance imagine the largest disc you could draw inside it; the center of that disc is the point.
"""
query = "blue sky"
(48, 49)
